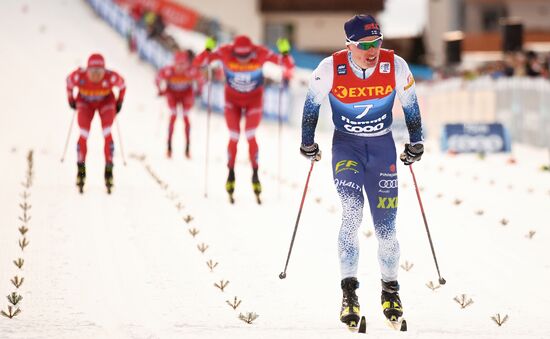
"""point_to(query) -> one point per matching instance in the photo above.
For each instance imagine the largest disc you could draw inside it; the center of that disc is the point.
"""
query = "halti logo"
(342, 69)
(385, 67)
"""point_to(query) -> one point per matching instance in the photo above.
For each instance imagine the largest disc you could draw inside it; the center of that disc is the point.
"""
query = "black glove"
(118, 107)
(72, 104)
(411, 153)
(311, 152)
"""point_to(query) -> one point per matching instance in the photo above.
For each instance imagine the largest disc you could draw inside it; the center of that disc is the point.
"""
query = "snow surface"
(125, 265)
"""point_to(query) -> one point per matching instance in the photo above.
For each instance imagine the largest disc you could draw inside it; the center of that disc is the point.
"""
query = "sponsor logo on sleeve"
(410, 82)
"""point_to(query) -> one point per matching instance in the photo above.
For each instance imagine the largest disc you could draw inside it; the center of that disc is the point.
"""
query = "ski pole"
(441, 280)
(68, 137)
(283, 274)
(120, 142)
(280, 128)
(209, 113)
(279, 141)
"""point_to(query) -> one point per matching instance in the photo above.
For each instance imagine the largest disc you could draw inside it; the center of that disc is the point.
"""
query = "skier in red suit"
(242, 63)
(95, 93)
(176, 83)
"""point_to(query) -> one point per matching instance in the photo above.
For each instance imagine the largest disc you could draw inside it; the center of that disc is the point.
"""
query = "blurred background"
(475, 61)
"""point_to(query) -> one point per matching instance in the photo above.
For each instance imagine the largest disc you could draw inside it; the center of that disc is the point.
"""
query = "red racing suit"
(178, 89)
(92, 97)
(243, 93)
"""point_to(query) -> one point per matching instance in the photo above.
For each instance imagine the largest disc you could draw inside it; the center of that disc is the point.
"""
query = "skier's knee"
(234, 135)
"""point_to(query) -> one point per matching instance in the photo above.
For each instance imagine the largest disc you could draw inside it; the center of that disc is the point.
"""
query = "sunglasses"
(366, 45)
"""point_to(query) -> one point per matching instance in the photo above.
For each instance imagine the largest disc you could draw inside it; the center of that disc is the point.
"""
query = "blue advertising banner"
(475, 138)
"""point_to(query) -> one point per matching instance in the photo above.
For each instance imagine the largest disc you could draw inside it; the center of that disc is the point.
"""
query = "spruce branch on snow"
(25, 218)
(407, 266)
(211, 265)
(498, 320)
(234, 304)
(17, 282)
(23, 230)
(249, 317)
(25, 206)
(27, 184)
(432, 286)
(463, 300)
(19, 263)
(10, 314)
(202, 247)
(14, 298)
(193, 231)
(222, 285)
(23, 243)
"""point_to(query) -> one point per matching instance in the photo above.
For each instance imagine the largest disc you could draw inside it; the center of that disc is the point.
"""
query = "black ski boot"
(230, 185)
(81, 176)
(169, 150)
(349, 313)
(256, 185)
(109, 176)
(391, 303)
(187, 151)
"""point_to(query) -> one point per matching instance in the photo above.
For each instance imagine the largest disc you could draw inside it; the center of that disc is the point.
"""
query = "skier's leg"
(232, 118)
(381, 186)
(348, 172)
(173, 115)
(187, 105)
(253, 118)
(85, 116)
(107, 114)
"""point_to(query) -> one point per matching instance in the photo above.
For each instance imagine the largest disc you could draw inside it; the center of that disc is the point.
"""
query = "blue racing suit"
(363, 149)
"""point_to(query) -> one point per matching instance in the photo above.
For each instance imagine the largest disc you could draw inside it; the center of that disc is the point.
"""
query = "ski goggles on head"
(366, 45)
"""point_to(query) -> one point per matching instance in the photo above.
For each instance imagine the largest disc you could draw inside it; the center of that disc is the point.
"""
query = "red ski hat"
(181, 57)
(96, 60)
(242, 46)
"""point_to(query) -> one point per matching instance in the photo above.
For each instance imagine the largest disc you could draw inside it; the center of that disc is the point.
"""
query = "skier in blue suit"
(362, 82)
